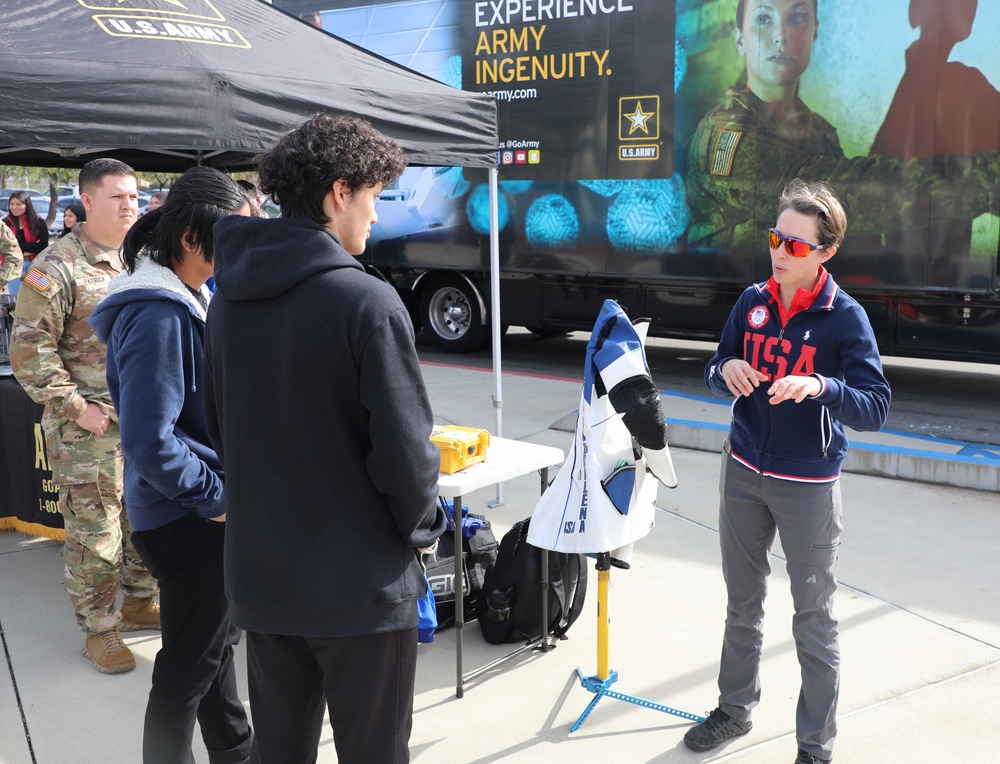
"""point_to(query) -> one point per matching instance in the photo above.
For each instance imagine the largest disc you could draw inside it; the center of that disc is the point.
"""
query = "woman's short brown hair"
(819, 201)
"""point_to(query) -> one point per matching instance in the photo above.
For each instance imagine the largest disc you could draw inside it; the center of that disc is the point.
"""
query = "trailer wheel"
(451, 315)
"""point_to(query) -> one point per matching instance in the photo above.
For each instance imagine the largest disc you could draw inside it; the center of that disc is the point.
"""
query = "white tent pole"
(495, 312)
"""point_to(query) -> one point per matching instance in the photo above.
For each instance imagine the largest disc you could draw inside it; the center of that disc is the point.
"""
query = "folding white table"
(506, 459)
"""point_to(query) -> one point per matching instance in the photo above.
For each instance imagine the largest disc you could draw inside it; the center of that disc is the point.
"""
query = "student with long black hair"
(153, 321)
(74, 214)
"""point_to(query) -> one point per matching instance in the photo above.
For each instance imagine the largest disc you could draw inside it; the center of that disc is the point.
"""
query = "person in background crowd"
(74, 214)
(800, 357)
(31, 231)
(156, 201)
(10, 256)
(153, 322)
(59, 362)
(253, 197)
(339, 451)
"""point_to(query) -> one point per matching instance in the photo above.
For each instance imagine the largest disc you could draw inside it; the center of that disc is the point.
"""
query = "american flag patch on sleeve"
(725, 152)
(37, 279)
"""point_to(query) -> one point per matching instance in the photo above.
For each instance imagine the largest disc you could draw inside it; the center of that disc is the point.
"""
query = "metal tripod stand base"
(602, 689)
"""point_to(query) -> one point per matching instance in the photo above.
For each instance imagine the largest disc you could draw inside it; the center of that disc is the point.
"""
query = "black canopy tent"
(167, 84)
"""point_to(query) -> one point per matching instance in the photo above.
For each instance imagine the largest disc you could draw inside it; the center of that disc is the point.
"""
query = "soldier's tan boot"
(140, 614)
(108, 653)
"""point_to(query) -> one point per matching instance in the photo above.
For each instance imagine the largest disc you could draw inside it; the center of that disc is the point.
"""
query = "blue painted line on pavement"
(975, 453)
(990, 453)
(969, 455)
(702, 425)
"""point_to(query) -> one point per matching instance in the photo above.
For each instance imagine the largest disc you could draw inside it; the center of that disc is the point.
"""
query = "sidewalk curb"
(978, 472)
(893, 462)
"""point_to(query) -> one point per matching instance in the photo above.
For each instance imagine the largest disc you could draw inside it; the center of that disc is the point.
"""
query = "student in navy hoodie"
(153, 322)
(799, 355)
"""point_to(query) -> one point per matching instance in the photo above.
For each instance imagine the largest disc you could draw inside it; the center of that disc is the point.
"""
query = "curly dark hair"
(299, 169)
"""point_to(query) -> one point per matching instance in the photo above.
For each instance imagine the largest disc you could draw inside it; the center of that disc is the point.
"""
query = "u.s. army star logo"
(639, 118)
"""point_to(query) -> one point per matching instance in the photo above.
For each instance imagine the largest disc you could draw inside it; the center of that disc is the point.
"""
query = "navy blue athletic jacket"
(831, 340)
(154, 327)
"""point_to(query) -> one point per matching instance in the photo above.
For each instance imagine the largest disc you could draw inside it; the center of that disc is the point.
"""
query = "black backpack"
(478, 554)
(510, 605)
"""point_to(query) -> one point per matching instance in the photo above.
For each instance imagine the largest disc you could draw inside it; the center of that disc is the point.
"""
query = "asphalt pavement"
(920, 625)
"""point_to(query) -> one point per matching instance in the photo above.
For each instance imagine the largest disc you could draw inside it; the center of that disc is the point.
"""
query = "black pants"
(367, 682)
(193, 676)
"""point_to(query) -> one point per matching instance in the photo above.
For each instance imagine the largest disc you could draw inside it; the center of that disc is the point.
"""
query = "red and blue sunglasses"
(794, 247)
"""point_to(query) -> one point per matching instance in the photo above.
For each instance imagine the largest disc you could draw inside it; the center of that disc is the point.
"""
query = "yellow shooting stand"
(600, 684)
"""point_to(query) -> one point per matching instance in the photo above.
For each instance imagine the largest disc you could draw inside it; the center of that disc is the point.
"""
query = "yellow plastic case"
(460, 447)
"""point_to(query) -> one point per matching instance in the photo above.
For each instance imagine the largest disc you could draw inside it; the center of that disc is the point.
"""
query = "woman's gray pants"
(808, 517)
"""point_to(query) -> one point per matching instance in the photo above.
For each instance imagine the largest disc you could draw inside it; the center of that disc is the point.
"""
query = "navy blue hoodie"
(154, 329)
(831, 340)
(317, 409)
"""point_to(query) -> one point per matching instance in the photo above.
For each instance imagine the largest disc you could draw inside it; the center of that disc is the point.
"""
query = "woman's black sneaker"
(714, 731)
(808, 758)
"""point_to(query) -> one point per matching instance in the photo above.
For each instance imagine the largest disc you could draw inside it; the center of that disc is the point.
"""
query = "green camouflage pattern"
(54, 352)
(60, 363)
(98, 552)
(11, 258)
(734, 196)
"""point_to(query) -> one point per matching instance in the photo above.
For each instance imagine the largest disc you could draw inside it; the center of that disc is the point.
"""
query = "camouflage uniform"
(739, 161)
(11, 258)
(60, 363)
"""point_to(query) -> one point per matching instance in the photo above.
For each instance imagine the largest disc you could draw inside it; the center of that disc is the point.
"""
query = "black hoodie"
(317, 409)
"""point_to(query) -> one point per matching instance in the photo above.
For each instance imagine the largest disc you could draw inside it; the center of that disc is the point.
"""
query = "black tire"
(451, 316)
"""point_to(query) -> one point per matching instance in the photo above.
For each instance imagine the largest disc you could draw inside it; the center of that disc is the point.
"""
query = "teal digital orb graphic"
(451, 72)
(551, 222)
(452, 181)
(648, 216)
(515, 186)
(605, 188)
(477, 209)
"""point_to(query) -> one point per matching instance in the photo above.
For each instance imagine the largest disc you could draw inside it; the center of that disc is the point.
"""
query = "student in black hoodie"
(317, 410)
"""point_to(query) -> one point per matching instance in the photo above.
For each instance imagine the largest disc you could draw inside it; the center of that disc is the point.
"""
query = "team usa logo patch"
(758, 316)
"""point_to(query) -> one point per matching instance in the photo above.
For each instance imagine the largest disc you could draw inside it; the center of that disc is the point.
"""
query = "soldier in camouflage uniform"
(736, 161)
(11, 258)
(762, 135)
(58, 360)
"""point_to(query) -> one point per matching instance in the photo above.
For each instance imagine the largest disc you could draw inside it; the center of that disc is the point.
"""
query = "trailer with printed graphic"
(644, 144)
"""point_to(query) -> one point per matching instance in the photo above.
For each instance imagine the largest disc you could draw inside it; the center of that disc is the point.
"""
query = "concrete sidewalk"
(920, 627)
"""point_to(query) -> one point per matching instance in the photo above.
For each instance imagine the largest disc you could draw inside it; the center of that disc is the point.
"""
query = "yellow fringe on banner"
(32, 529)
